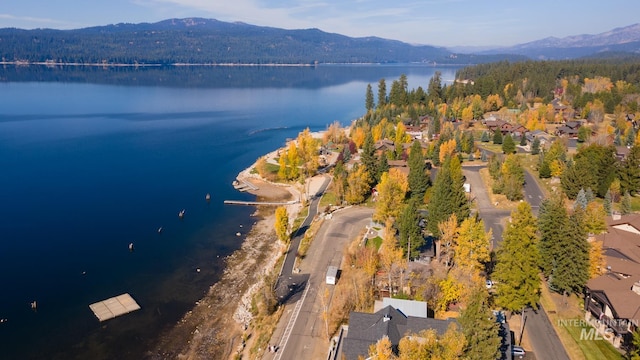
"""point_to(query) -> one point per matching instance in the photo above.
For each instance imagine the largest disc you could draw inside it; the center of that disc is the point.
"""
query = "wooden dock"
(240, 202)
(114, 307)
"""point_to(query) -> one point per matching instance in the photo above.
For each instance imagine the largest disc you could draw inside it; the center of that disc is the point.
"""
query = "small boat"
(130, 246)
(159, 229)
(238, 234)
(181, 214)
(207, 197)
(34, 305)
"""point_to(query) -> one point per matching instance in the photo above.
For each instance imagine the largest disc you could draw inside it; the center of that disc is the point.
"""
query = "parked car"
(489, 284)
(518, 351)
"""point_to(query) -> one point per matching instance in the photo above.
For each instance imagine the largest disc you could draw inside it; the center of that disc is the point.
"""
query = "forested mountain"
(620, 40)
(208, 41)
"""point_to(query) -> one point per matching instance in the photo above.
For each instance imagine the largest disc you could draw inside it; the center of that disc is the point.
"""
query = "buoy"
(207, 197)
(198, 270)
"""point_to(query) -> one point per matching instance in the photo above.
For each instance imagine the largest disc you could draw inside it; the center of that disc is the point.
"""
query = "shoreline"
(213, 328)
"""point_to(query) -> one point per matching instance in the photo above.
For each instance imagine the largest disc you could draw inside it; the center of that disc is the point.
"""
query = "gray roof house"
(366, 329)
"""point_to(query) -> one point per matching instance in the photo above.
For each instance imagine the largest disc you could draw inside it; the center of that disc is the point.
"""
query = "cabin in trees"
(612, 300)
(505, 127)
(569, 129)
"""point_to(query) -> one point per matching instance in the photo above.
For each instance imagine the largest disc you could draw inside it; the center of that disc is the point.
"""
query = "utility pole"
(408, 251)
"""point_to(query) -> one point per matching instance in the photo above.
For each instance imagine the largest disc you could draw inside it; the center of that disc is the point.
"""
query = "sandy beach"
(213, 328)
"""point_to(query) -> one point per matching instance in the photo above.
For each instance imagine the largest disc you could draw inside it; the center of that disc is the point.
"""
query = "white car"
(489, 284)
(518, 351)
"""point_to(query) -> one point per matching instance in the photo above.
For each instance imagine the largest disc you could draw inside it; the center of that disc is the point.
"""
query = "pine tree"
(409, 228)
(485, 137)
(572, 264)
(581, 200)
(518, 259)
(629, 171)
(508, 145)
(625, 204)
(497, 137)
(480, 328)
(523, 140)
(369, 102)
(418, 178)
(448, 195)
(382, 166)
(535, 147)
(607, 203)
(382, 93)
(368, 157)
(552, 220)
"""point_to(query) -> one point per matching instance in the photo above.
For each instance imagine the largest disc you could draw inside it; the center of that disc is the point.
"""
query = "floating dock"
(114, 307)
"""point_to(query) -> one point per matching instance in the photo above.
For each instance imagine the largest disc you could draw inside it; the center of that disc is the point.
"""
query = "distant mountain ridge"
(619, 40)
(210, 41)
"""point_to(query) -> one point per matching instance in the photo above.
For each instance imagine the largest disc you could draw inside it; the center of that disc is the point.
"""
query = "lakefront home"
(612, 300)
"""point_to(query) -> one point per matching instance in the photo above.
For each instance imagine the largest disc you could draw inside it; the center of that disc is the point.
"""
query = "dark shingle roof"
(366, 329)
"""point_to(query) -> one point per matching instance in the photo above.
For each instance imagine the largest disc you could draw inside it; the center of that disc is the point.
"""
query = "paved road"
(307, 334)
(543, 338)
(290, 285)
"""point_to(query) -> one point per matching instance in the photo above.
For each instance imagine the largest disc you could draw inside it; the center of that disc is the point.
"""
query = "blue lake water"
(92, 160)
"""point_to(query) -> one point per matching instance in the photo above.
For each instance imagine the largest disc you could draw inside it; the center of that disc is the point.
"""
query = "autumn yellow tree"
(390, 253)
(392, 190)
(450, 292)
(358, 180)
(282, 223)
(448, 238)
(493, 103)
(597, 262)
(427, 344)
(334, 134)
(358, 135)
(472, 245)
(308, 152)
(447, 148)
(382, 350)
(595, 218)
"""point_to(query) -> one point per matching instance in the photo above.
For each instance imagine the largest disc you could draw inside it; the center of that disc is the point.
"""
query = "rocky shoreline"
(213, 329)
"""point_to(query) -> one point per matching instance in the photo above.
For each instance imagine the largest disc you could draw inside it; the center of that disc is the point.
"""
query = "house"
(366, 329)
(542, 136)
(401, 165)
(612, 300)
(622, 152)
(384, 145)
(570, 129)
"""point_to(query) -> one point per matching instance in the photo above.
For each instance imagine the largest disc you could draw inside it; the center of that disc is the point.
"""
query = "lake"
(94, 159)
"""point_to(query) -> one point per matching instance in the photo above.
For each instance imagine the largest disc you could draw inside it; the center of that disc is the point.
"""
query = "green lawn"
(376, 241)
(595, 349)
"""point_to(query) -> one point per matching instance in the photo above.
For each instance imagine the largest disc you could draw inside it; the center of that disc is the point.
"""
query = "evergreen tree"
(381, 167)
(617, 141)
(523, 140)
(581, 200)
(629, 171)
(409, 229)
(518, 259)
(545, 170)
(369, 102)
(508, 145)
(485, 137)
(625, 204)
(418, 177)
(497, 137)
(382, 93)
(448, 195)
(572, 264)
(535, 147)
(483, 157)
(552, 220)
(368, 157)
(480, 328)
(590, 195)
(607, 203)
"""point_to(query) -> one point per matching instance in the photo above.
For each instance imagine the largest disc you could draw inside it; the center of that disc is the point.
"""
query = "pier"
(243, 185)
(275, 203)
